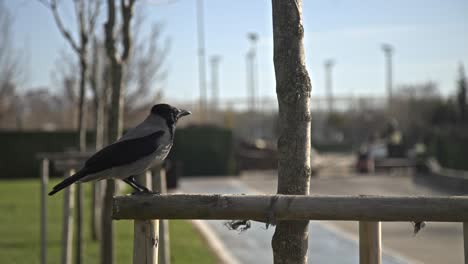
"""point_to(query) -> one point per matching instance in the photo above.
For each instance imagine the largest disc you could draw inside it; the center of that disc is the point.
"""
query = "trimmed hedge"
(204, 150)
(200, 150)
(333, 147)
(19, 149)
(450, 147)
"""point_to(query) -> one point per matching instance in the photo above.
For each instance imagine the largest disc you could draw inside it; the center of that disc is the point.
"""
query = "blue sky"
(430, 39)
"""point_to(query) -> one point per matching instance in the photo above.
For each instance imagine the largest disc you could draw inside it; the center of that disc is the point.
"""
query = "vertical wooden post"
(145, 243)
(96, 209)
(67, 229)
(44, 182)
(160, 185)
(94, 187)
(146, 237)
(370, 245)
(107, 228)
(465, 240)
(79, 223)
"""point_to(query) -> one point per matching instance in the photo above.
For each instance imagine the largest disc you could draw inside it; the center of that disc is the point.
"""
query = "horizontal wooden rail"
(288, 207)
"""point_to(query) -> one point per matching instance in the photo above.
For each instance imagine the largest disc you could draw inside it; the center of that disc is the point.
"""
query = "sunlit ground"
(19, 229)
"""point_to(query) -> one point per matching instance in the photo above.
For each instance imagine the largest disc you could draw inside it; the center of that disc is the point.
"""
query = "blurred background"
(389, 101)
(373, 65)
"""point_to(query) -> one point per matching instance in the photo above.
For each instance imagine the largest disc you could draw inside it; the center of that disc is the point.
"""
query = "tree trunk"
(97, 194)
(107, 243)
(115, 115)
(115, 122)
(115, 125)
(99, 93)
(82, 113)
(114, 132)
(293, 88)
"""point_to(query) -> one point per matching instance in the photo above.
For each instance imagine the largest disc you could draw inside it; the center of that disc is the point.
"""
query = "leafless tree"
(40, 100)
(99, 84)
(461, 94)
(10, 65)
(117, 61)
(64, 77)
(145, 69)
(86, 14)
(293, 89)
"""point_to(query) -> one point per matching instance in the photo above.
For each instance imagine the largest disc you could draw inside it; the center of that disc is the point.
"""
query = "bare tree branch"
(93, 14)
(127, 13)
(145, 68)
(10, 67)
(52, 5)
(109, 31)
(64, 76)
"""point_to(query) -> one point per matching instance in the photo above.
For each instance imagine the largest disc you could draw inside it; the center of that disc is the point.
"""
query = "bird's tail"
(68, 181)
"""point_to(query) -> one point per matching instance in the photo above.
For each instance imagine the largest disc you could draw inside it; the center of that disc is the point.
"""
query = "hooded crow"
(135, 152)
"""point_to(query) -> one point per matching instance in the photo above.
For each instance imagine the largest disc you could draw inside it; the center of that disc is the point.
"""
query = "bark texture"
(293, 89)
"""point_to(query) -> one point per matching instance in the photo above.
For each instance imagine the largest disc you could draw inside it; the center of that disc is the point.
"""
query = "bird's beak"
(183, 112)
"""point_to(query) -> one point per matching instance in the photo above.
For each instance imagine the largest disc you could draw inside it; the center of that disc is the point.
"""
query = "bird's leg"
(135, 185)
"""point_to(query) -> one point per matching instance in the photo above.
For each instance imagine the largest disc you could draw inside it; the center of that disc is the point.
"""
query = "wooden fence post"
(465, 240)
(96, 209)
(67, 229)
(79, 223)
(44, 182)
(370, 243)
(160, 185)
(146, 237)
(107, 228)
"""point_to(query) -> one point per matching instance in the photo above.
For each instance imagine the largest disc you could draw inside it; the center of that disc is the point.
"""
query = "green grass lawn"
(19, 230)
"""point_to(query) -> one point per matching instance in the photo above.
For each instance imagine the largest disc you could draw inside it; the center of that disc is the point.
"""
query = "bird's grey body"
(135, 168)
(135, 152)
(150, 125)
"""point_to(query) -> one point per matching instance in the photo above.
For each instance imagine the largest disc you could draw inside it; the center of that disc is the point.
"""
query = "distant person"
(393, 137)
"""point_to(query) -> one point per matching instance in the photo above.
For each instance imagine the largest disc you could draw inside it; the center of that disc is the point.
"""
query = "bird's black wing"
(123, 152)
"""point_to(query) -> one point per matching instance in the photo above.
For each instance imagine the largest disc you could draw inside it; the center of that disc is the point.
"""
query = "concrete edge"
(223, 254)
(355, 239)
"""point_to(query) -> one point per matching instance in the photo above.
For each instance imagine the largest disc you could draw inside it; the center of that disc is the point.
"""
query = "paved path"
(326, 244)
(437, 243)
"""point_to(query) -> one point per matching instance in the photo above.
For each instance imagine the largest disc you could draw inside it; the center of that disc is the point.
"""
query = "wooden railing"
(67, 163)
(368, 210)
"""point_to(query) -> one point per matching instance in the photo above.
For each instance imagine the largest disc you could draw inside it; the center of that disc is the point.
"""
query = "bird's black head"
(168, 112)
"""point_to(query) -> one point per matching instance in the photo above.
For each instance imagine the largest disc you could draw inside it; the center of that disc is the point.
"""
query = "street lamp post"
(252, 72)
(388, 51)
(201, 60)
(215, 81)
(329, 83)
